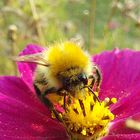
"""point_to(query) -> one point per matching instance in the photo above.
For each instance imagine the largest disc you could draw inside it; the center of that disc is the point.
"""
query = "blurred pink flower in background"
(23, 116)
(112, 25)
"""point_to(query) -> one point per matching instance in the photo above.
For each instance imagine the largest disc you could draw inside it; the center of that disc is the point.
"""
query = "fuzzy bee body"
(63, 67)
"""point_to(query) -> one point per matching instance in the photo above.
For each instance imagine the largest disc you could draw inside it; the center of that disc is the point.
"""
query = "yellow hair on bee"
(62, 56)
(65, 55)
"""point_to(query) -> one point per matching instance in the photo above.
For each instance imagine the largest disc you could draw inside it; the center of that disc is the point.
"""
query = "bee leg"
(96, 97)
(47, 102)
(69, 100)
(64, 102)
(59, 92)
(37, 90)
(50, 90)
(91, 86)
(92, 82)
(63, 93)
(98, 78)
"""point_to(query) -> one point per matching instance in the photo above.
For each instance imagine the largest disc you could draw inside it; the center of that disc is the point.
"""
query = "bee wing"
(33, 58)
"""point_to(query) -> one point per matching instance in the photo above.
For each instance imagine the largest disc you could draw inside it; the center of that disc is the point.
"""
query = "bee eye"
(66, 82)
(82, 77)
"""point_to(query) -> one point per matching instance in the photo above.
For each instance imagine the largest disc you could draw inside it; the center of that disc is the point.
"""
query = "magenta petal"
(123, 137)
(15, 88)
(128, 106)
(20, 120)
(120, 70)
(22, 116)
(27, 69)
(119, 127)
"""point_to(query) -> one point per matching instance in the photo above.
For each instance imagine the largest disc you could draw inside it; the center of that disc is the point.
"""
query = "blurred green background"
(97, 25)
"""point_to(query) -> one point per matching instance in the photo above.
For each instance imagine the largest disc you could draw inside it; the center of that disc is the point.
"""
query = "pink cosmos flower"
(23, 116)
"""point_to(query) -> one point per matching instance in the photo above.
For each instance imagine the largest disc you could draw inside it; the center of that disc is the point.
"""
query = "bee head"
(83, 78)
(70, 83)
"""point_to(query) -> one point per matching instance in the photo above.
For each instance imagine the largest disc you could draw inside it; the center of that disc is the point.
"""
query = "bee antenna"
(92, 92)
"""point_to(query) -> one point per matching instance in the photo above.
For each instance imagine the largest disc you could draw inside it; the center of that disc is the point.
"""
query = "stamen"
(82, 107)
(86, 118)
(105, 118)
(75, 110)
(91, 106)
(108, 102)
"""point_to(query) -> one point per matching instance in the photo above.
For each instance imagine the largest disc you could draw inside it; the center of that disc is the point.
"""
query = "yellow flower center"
(87, 118)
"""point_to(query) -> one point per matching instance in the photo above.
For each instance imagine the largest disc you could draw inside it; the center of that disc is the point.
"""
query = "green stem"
(37, 25)
(13, 46)
(91, 23)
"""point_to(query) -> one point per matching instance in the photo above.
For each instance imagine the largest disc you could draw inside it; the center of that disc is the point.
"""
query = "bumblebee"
(63, 68)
